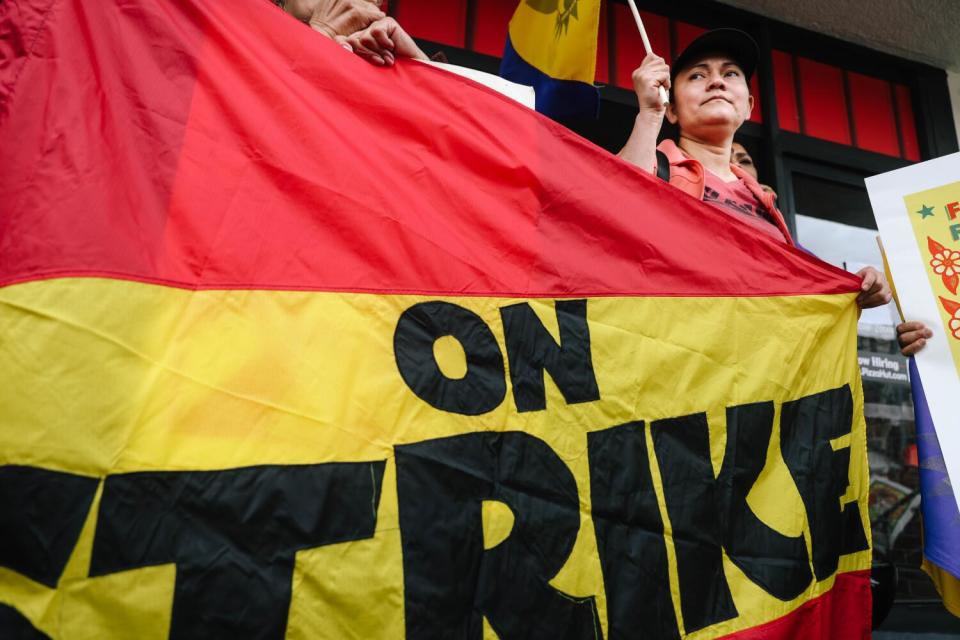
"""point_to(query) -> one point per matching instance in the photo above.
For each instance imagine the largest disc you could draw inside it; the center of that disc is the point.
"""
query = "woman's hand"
(874, 290)
(383, 42)
(912, 337)
(652, 74)
(335, 18)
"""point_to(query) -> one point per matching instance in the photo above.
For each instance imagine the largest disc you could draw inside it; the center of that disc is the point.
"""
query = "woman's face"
(711, 98)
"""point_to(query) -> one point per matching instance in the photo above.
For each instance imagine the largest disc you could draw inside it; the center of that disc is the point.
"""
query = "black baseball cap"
(733, 42)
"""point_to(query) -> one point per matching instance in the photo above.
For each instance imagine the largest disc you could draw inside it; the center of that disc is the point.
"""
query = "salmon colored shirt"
(689, 176)
(735, 199)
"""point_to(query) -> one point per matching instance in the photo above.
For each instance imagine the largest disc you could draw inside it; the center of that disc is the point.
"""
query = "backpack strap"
(663, 166)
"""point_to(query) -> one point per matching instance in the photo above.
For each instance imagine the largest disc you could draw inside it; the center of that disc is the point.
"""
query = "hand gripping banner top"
(294, 346)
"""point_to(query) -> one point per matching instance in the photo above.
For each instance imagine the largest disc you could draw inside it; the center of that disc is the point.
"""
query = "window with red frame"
(830, 103)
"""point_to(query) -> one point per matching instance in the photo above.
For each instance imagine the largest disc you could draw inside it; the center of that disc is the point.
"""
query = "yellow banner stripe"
(102, 376)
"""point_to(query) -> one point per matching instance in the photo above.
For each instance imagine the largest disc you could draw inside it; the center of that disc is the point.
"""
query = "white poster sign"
(918, 214)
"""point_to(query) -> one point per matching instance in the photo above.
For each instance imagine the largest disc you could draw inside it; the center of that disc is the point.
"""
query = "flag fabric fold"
(292, 345)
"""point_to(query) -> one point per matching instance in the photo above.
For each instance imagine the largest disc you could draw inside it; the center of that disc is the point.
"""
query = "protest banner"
(295, 346)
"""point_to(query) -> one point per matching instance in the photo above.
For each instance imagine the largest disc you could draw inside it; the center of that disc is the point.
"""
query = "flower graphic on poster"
(953, 308)
(945, 263)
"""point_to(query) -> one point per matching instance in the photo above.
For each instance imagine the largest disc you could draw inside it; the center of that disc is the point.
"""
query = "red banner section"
(823, 617)
(213, 147)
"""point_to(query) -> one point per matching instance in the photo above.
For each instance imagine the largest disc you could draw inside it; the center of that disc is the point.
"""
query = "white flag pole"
(664, 99)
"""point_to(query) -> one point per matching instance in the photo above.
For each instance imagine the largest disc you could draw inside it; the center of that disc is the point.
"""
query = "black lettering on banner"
(15, 626)
(41, 515)
(531, 349)
(233, 535)
(629, 530)
(682, 446)
(777, 563)
(450, 581)
(821, 474)
(482, 388)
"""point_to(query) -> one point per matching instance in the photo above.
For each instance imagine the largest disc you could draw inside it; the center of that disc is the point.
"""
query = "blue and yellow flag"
(552, 46)
(941, 520)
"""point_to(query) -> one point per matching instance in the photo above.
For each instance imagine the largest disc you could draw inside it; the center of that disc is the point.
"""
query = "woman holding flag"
(710, 99)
